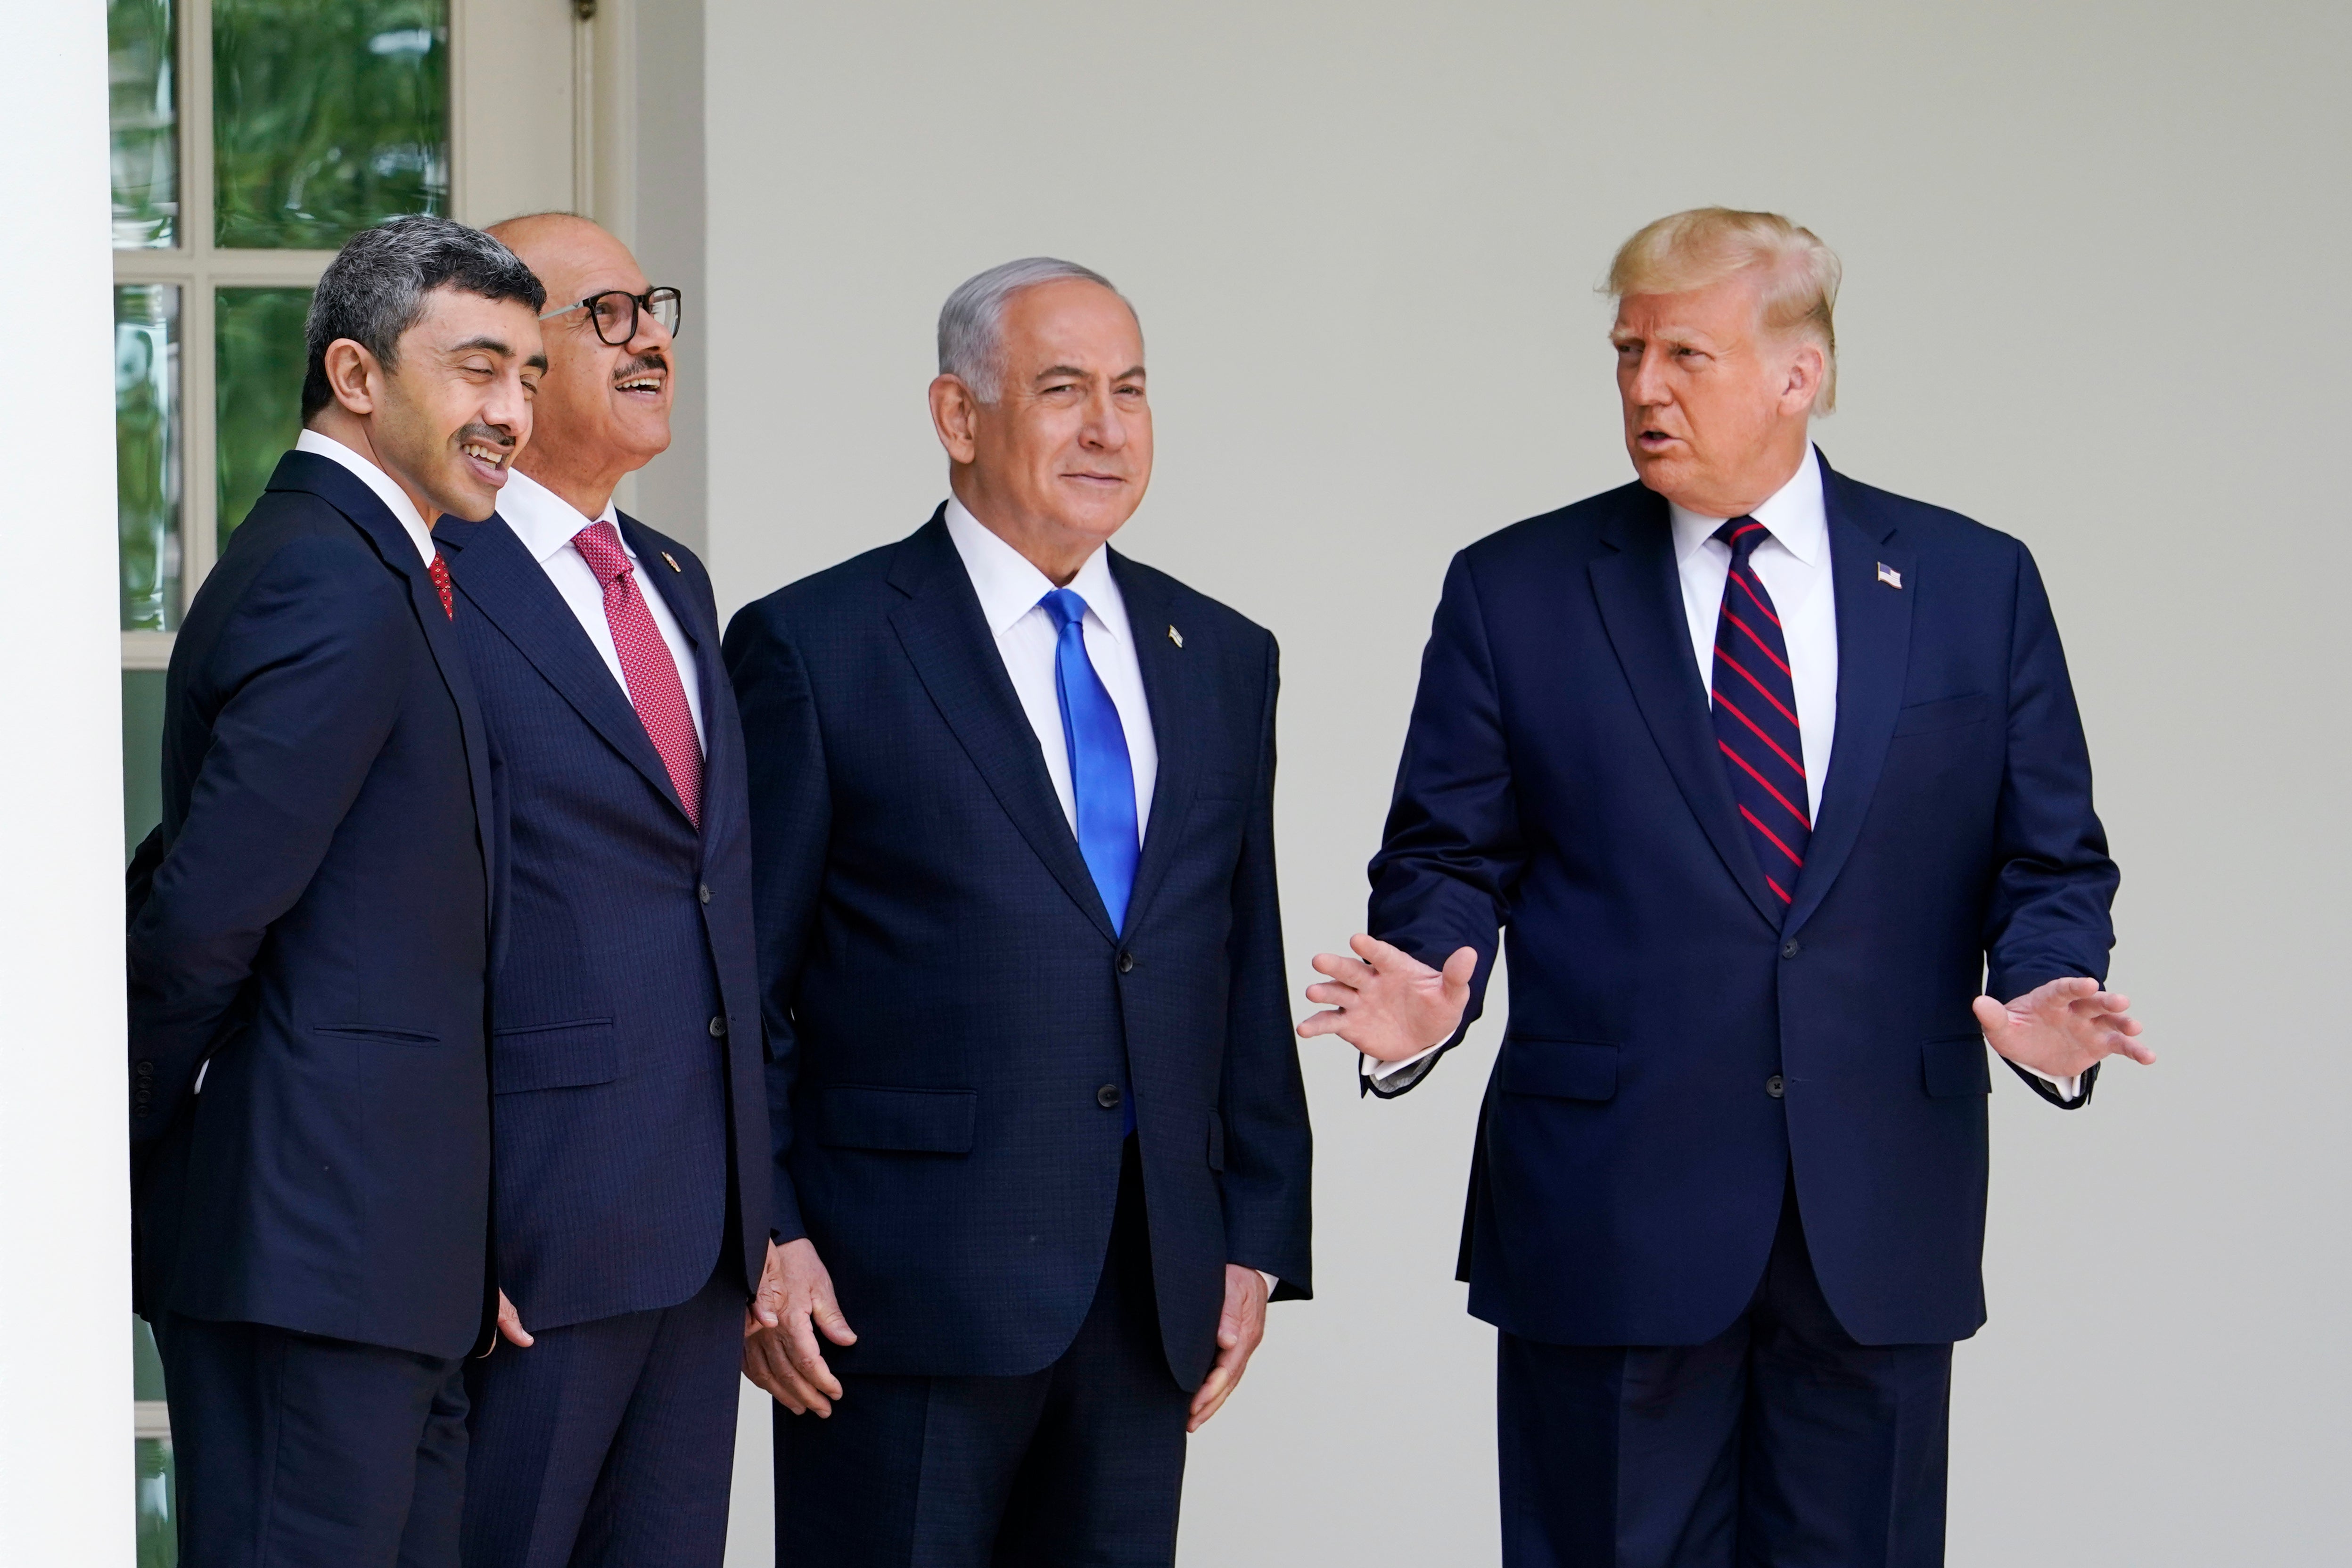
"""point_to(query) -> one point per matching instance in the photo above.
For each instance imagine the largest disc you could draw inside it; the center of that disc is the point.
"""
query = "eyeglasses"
(615, 312)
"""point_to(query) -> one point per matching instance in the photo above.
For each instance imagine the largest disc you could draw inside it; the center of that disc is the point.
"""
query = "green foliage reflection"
(259, 380)
(143, 110)
(147, 453)
(328, 115)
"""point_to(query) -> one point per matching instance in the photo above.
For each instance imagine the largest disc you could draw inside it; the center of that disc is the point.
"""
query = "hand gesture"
(2063, 1028)
(1239, 1330)
(794, 1303)
(1387, 1003)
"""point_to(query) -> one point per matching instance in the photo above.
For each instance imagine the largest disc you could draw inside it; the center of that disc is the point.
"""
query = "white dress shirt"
(1009, 588)
(376, 479)
(546, 524)
(1794, 565)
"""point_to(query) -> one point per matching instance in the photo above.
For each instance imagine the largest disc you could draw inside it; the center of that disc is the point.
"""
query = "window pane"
(146, 145)
(259, 374)
(147, 453)
(142, 807)
(159, 1542)
(328, 115)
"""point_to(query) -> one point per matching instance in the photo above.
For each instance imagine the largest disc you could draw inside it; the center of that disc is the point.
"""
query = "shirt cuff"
(1384, 1073)
(2064, 1088)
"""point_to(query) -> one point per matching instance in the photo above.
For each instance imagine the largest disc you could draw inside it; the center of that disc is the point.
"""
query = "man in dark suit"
(1761, 768)
(624, 1037)
(311, 1104)
(1037, 1110)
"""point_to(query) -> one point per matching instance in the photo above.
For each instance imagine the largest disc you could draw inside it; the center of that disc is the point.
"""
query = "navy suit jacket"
(946, 999)
(1560, 781)
(623, 993)
(312, 919)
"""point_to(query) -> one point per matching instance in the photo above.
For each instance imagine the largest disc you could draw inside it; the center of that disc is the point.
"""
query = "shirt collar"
(396, 500)
(1008, 584)
(544, 521)
(1795, 516)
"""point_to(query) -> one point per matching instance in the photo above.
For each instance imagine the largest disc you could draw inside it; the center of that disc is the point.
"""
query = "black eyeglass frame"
(638, 303)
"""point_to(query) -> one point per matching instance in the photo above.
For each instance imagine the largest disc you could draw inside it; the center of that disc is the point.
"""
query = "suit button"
(1108, 1096)
(146, 1069)
(704, 892)
(144, 1095)
(1790, 948)
(1126, 962)
(718, 1029)
(1775, 1086)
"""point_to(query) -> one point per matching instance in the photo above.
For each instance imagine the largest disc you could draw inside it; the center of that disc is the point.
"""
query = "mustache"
(638, 364)
(487, 435)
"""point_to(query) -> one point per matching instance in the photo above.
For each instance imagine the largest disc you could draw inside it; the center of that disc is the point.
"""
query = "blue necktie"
(1102, 778)
(1755, 716)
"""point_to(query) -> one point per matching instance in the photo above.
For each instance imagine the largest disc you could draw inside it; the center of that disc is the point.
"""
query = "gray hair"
(971, 323)
(374, 290)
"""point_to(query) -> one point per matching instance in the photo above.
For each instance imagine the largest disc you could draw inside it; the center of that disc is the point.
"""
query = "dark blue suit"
(954, 1024)
(311, 1228)
(1684, 1071)
(626, 1051)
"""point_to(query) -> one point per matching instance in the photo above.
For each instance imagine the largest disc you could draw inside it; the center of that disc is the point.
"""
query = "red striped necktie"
(1756, 716)
(649, 671)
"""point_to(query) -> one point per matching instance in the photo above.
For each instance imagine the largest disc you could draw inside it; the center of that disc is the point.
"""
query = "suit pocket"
(569, 1055)
(1955, 1067)
(1944, 713)
(383, 1034)
(915, 1120)
(1216, 1142)
(1558, 1069)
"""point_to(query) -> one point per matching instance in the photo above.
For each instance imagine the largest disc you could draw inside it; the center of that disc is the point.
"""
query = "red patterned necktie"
(1756, 716)
(650, 673)
(439, 571)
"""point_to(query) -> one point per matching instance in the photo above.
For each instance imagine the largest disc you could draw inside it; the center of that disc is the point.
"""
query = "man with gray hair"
(1761, 768)
(310, 932)
(1040, 1134)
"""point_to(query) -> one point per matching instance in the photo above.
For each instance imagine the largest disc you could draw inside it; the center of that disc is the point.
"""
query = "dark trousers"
(610, 1442)
(1080, 1463)
(302, 1451)
(1782, 1441)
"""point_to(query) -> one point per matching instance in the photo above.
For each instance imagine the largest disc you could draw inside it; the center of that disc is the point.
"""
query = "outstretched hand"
(2063, 1028)
(1387, 1003)
(793, 1304)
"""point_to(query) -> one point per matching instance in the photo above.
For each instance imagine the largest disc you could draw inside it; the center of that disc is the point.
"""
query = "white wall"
(65, 1263)
(2096, 271)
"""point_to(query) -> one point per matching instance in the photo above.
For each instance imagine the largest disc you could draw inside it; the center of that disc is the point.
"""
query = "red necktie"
(650, 673)
(439, 571)
(1756, 716)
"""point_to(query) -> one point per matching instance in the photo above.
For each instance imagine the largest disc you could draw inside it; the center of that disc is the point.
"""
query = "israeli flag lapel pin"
(1889, 576)
(675, 567)
(1175, 636)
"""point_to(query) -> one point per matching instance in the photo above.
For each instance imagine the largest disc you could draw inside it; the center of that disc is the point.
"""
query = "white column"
(64, 1270)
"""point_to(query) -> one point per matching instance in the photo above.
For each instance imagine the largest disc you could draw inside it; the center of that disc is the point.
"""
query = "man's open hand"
(1387, 1003)
(1239, 1330)
(794, 1303)
(2063, 1028)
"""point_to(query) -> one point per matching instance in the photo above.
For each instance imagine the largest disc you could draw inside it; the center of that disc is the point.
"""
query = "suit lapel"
(1641, 601)
(955, 658)
(1874, 628)
(710, 673)
(1172, 689)
(511, 590)
(343, 490)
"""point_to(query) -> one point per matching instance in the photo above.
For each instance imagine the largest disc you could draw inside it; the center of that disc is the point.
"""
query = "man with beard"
(625, 1019)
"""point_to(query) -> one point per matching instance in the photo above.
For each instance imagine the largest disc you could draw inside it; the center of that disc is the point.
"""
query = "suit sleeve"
(1452, 850)
(792, 821)
(1269, 1146)
(308, 676)
(2053, 885)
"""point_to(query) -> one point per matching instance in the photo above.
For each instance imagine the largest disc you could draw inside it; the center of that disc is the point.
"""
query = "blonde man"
(1762, 769)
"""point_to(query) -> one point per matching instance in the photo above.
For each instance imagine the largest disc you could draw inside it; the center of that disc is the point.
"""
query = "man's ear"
(955, 416)
(1806, 367)
(354, 376)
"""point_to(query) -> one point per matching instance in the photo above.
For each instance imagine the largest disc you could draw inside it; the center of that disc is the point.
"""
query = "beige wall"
(2096, 258)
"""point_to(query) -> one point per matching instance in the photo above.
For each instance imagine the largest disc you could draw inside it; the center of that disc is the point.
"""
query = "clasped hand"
(793, 1304)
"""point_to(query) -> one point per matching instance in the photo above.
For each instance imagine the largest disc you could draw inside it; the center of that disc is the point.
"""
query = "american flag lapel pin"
(1175, 636)
(675, 567)
(1889, 576)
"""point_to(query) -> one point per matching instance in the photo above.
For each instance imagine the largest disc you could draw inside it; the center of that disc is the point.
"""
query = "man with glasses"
(625, 1021)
